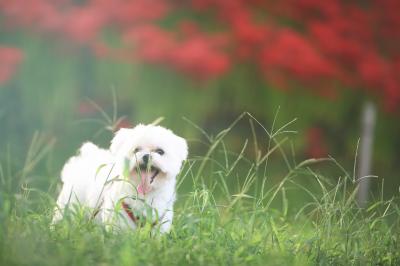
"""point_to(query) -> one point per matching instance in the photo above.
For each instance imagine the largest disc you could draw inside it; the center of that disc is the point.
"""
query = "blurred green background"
(61, 88)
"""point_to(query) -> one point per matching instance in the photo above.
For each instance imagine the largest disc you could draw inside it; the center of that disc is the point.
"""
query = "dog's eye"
(136, 150)
(159, 151)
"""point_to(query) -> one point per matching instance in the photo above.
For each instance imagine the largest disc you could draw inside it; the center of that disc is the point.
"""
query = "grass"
(232, 209)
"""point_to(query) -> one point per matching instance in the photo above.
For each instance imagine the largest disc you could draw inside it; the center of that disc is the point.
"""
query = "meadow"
(256, 205)
(260, 187)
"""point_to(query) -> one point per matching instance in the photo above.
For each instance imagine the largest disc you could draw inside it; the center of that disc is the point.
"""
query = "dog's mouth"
(152, 170)
(145, 175)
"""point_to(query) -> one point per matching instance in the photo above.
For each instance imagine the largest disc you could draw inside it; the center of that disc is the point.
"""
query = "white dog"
(120, 185)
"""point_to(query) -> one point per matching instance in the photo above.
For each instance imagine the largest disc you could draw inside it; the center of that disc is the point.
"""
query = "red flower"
(150, 43)
(9, 59)
(293, 54)
(128, 12)
(200, 57)
(196, 54)
(373, 70)
(84, 24)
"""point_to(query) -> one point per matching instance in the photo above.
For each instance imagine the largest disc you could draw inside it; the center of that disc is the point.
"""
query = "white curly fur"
(100, 179)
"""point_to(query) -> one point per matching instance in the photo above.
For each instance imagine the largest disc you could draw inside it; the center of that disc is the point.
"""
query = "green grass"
(232, 209)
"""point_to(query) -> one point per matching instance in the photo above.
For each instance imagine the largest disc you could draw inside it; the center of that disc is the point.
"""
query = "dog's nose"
(145, 159)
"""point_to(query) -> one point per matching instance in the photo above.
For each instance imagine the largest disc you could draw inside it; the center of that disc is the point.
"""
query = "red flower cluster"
(361, 39)
(188, 50)
(9, 60)
(311, 64)
(199, 55)
(317, 44)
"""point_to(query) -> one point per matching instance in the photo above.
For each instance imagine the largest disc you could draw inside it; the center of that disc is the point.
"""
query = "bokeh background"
(76, 70)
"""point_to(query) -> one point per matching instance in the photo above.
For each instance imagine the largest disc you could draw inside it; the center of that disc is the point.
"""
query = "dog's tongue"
(144, 185)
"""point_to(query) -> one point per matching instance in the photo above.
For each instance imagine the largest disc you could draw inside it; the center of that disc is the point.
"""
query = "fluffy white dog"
(131, 182)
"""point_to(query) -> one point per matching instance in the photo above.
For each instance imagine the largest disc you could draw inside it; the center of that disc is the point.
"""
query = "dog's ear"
(182, 151)
(117, 143)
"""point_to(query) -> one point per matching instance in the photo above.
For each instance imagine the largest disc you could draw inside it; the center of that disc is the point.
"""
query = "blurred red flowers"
(188, 50)
(317, 44)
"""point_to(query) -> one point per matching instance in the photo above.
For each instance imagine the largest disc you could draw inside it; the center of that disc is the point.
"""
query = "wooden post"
(365, 153)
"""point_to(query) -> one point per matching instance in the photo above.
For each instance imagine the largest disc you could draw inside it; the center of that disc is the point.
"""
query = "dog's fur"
(104, 180)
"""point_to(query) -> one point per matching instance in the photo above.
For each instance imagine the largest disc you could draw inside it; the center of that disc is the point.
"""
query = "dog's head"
(152, 154)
